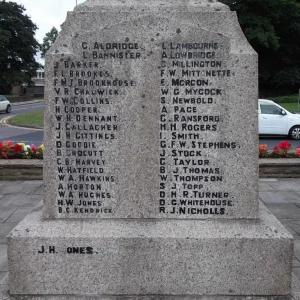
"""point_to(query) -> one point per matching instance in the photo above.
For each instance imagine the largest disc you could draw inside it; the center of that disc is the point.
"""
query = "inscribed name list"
(144, 131)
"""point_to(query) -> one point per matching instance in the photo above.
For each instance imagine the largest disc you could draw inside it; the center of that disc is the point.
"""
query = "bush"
(286, 99)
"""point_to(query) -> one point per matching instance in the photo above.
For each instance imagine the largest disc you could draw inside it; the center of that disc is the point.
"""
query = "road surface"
(19, 109)
(27, 136)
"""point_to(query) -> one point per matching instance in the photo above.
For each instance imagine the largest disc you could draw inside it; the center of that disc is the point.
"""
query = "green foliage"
(34, 118)
(273, 29)
(48, 40)
(18, 46)
(292, 107)
(285, 99)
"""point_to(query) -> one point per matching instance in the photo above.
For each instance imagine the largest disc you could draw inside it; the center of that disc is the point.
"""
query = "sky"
(47, 13)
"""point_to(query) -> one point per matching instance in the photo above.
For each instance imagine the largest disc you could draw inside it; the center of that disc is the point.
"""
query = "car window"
(270, 109)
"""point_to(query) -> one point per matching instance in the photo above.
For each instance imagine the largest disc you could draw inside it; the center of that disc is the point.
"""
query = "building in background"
(39, 85)
(37, 90)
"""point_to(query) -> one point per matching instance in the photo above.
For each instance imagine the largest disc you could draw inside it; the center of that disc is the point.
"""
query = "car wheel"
(8, 109)
(295, 133)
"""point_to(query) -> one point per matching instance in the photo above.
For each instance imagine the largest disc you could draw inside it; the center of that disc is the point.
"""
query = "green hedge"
(285, 99)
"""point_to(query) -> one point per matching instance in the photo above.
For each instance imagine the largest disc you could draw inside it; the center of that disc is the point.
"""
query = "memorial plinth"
(162, 257)
(151, 169)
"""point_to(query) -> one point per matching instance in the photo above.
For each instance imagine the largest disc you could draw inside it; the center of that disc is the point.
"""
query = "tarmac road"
(16, 134)
(18, 108)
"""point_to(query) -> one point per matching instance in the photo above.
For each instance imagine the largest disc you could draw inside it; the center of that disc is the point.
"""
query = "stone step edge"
(21, 169)
(30, 169)
(4, 295)
(279, 168)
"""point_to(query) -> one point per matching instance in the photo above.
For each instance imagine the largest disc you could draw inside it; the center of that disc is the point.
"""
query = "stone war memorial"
(151, 165)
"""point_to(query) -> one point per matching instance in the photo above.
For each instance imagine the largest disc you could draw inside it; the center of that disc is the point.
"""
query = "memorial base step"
(150, 257)
(5, 295)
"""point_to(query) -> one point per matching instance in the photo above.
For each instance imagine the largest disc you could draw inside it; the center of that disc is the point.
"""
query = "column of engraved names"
(82, 128)
(192, 73)
(87, 94)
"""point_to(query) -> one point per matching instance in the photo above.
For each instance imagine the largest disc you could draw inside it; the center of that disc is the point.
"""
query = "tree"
(48, 40)
(273, 29)
(18, 46)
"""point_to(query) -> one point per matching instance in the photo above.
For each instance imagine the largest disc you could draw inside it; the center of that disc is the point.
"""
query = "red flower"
(7, 143)
(33, 147)
(277, 149)
(298, 151)
(18, 148)
(263, 147)
(1, 145)
(284, 145)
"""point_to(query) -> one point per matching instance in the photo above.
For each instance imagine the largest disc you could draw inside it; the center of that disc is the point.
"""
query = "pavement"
(281, 196)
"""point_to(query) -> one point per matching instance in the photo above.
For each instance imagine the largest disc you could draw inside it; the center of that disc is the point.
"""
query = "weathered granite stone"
(130, 5)
(162, 257)
(150, 130)
(151, 112)
(4, 295)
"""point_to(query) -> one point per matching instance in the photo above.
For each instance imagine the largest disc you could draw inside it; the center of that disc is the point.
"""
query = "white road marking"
(4, 122)
(17, 109)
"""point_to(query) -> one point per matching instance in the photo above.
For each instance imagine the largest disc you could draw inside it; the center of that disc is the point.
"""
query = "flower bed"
(8, 150)
(279, 151)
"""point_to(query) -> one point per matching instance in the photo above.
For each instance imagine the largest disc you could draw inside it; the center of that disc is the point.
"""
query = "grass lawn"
(32, 119)
(289, 102)
(290, 106)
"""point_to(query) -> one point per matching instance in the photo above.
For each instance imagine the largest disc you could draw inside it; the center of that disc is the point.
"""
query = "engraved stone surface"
(151, 115)
(162, 257)
(151, 166)
(130, 5)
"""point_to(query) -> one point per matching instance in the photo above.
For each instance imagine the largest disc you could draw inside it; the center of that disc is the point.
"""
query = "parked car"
(4, 104)
(276, 120)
